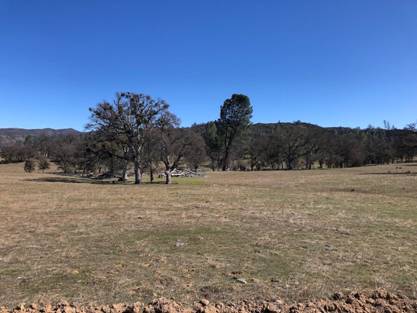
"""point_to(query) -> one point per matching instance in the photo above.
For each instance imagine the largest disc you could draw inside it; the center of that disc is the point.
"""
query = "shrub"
(29, 165)
(43, 164)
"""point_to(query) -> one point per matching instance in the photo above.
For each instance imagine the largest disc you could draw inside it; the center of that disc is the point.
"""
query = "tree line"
(138, 134)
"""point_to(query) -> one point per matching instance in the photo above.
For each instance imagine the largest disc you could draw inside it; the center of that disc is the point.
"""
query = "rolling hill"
(12, 135)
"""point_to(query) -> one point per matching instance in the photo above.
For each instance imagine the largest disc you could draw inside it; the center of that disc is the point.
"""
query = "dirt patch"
(375, 301)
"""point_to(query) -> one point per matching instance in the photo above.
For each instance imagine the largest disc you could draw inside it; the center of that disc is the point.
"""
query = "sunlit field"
(226, 236)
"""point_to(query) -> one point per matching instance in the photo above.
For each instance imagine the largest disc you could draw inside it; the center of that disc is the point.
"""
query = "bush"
(29, 166)
(43, 164)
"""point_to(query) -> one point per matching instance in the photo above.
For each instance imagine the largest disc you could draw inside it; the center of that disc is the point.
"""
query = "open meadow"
(227, 236)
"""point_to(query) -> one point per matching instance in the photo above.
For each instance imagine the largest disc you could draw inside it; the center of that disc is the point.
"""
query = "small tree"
(29, 166)
(196, 152)
(175, 144)
(171, 143)
(43, 164)
(214, 144)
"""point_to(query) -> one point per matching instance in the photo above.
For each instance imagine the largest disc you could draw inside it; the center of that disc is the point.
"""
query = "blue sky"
(329, 62)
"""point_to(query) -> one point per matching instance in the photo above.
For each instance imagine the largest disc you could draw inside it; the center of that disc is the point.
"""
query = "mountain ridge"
(13, 135)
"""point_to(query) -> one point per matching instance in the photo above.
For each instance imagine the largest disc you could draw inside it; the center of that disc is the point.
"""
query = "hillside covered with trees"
(138, 134)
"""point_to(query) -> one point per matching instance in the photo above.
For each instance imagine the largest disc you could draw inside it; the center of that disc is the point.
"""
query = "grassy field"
(295, 235)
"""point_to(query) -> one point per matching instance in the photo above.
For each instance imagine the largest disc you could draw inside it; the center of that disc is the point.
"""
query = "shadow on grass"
(412, 164)
(73, 180)
(408, 173)
(84, 180)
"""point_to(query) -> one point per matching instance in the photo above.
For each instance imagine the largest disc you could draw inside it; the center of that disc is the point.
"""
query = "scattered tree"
(235, 116)
(30, 165)
(43, 164)
(129, 117)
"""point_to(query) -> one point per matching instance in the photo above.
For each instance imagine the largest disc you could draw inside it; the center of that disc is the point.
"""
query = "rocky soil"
(375, 301)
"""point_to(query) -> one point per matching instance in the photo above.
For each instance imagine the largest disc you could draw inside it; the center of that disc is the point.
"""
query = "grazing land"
(225, 237)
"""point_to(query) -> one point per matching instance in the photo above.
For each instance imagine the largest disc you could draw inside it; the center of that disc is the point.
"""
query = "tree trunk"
(112, 167)
(168, 177)
(226, 160)
(213, 165)
(151, 177)
(124, 173)
(308, 163)
(137, 172)
(289, 164)
(252, 164)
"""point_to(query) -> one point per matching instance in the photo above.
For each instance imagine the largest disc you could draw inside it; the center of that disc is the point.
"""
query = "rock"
(209, 309)
(241, 280)
(136, 308)
(329, 247)
(337, 296)
(204, 302)
(117, 308)
(48, 308)
(330, 307)
(65, 303)
(20, 307)
(272, 308)
(163, 305)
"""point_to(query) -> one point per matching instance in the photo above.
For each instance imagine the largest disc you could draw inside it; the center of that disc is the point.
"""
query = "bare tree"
(196, 152)
(174, 143)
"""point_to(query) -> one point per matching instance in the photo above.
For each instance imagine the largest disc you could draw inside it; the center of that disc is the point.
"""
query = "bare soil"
(379, 301)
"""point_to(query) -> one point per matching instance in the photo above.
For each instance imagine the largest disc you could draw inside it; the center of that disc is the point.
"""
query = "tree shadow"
(72, 180)
(411, 164)
(84, 180)
(408, 173)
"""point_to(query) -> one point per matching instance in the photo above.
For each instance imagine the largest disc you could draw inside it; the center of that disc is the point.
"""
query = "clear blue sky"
(334, 62)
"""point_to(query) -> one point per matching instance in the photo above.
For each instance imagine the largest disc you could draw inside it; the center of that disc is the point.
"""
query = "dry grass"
(297, 235)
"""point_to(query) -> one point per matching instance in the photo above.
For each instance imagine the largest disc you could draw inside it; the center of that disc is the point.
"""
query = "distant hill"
(13, 135)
